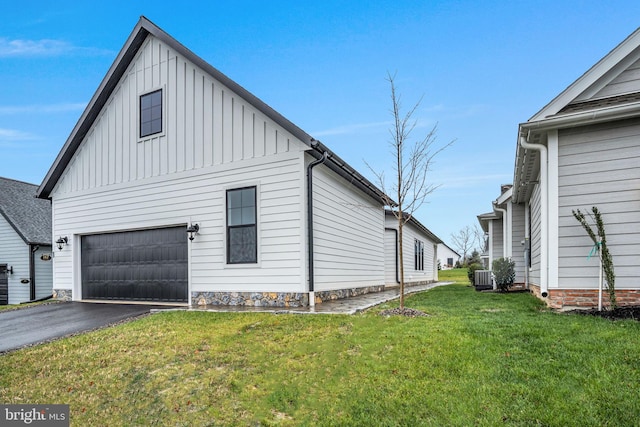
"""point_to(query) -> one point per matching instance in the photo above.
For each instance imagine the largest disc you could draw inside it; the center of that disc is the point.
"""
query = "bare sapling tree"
(412, 162)
(463, 241)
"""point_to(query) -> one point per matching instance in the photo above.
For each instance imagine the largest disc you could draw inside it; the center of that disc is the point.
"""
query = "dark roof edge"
(419, 225)
(342, 168)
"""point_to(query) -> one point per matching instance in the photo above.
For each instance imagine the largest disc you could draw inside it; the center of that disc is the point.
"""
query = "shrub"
(471, 272)
(504, 271)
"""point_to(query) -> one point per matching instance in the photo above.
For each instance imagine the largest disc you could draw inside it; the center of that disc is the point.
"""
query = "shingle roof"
(29, 216)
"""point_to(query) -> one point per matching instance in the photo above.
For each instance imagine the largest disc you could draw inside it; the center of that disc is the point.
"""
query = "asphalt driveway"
(41, 323)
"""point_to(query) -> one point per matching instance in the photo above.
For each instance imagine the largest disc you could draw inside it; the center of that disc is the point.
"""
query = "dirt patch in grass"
(620, 313)
(406, 312)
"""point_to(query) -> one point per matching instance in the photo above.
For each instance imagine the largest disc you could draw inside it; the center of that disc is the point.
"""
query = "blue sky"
(481, 67)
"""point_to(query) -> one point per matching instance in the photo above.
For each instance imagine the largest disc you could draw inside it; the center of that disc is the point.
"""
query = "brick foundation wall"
(585, 298)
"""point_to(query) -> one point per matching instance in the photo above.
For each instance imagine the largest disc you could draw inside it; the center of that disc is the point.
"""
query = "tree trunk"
(401, 258)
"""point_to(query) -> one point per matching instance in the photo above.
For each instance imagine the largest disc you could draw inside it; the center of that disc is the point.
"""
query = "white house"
(178, 185)
(447, 257)
(25, 243)
(581, 150)
(420, 252)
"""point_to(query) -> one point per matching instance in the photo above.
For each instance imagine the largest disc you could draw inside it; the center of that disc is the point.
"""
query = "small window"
(242, 237)
(151, 113)
(450, 262)
(418, 255)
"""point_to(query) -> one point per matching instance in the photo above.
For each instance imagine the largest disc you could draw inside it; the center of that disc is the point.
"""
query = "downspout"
(32, 271)
(325, 156)
(397, 272)
(544, 214)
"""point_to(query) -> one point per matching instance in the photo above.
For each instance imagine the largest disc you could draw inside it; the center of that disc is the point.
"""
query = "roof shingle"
(29, 216)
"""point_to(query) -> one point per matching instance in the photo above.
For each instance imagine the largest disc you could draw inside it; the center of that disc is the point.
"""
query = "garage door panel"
(144, 265)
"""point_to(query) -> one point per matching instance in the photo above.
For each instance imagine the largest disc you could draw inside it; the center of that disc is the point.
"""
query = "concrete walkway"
(351, 305)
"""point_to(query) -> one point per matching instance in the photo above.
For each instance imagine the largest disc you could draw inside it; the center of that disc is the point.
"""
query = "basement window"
(151, 113)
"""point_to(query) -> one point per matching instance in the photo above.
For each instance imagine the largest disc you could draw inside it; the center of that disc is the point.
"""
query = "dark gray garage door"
(144, 265)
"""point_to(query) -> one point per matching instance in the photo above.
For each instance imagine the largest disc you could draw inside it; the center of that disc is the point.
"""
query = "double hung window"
(242, 236)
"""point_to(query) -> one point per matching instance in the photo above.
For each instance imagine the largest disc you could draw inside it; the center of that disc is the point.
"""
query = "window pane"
(234, 199)
(234, 216)
(242, 245)
(151, 113)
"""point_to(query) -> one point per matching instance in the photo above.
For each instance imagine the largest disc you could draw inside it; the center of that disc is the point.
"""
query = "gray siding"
(534, 205)
(498, 239)
(598, 166)
(517, 232)
(626, 82)
(43, 272)
(348, 234)
(15, 253)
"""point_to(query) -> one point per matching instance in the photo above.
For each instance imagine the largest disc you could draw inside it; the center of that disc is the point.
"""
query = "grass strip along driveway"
(478, 359)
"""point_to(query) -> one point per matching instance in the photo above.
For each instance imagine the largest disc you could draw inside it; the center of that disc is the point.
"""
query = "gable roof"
(141, 31)
(30, 217)
(585, 102)
(595, 78)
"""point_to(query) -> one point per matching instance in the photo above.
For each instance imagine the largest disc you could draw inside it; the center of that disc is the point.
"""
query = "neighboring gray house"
(581, 150)
(504, 229)
(177, 185)
(25, 243)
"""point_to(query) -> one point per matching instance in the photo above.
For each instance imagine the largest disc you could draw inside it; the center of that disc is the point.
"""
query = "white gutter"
(604, 114)
(544, 214)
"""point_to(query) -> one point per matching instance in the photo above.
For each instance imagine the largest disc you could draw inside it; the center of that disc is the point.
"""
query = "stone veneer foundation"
(277, 299)
(252, 299)
(563, 299)
(266, 299)
(62, 294)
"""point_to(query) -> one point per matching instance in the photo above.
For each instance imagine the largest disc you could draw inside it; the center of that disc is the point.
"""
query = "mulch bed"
(630, 312)
(407, 312)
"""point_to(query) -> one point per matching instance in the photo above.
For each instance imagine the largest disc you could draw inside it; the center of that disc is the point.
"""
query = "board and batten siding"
(199, 197)
(204, 124)
(348, 234)
(15, 253)
(598, 166)
(409, 234)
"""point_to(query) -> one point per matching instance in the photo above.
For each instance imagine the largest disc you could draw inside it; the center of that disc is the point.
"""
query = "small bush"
(471, 272)
(504, 271)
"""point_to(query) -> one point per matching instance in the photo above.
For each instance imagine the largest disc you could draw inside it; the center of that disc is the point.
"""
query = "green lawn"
(479, 359)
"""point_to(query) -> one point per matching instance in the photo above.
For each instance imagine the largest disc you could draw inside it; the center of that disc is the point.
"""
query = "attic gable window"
(151, 113)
